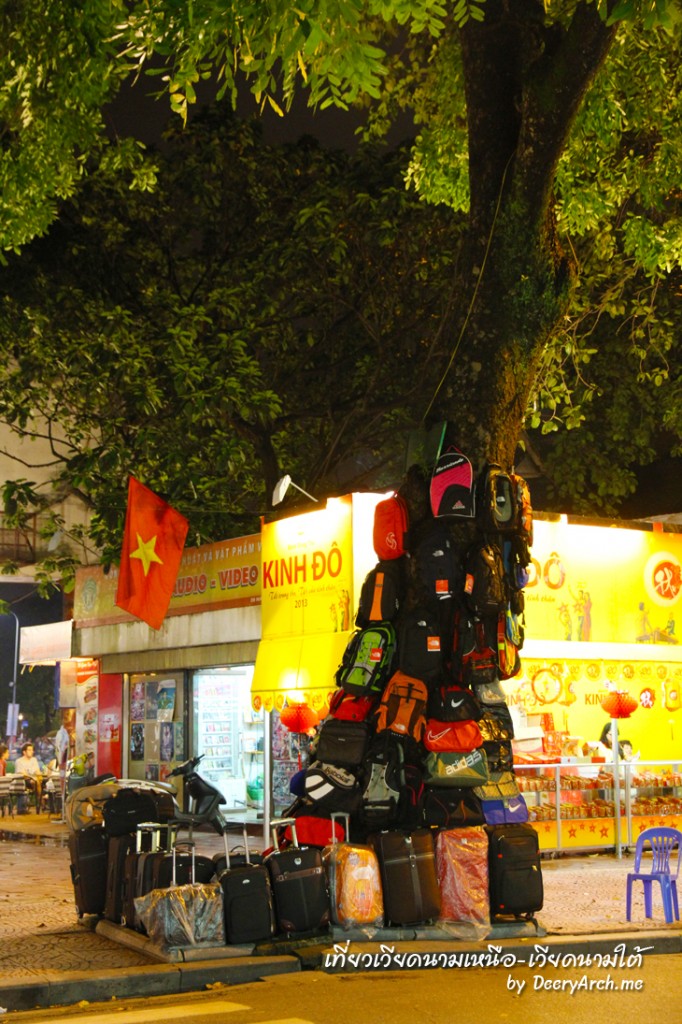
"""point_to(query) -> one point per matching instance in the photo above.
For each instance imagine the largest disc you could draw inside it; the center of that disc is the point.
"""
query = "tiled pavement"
(48, 956)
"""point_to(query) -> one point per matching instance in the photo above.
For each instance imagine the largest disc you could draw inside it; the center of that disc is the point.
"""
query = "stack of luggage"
(416, 751)
(409, 811)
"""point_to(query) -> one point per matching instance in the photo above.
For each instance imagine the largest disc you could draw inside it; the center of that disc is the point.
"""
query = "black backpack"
(384, 784)
(382, 593)
(485, 585)
(496, 507)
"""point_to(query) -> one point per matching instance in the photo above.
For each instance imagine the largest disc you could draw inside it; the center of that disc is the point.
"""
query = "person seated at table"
(30, 767)
(4, 756)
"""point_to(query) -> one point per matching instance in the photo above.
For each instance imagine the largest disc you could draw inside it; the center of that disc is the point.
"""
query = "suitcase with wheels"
(408, 876)
(187, 866)
(138, 870)
(118, 848)
(514, 869)
(299, 884)
(88, 853)
(247, 899)
(354, 882)
(462, 866)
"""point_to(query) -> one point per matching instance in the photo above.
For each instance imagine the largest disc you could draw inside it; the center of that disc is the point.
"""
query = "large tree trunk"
(524, 84)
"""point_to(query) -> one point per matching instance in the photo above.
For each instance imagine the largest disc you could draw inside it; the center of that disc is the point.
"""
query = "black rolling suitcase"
(118, 848)
(514, 870)
(88, 853)
(139, 866)
(247, 899)
(188, 866)
(299, 884)
(408, 876)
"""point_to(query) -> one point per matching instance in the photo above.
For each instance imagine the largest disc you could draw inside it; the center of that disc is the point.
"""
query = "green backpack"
(367, 660)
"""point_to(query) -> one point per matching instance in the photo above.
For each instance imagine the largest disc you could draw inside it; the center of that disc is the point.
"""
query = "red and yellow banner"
(210, 577)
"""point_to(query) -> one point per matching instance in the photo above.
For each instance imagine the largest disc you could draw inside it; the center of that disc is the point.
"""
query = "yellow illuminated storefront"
(602, 613)
(313, 565)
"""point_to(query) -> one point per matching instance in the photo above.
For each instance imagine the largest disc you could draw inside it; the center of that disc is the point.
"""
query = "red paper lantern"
(619, 704)
(298, 717)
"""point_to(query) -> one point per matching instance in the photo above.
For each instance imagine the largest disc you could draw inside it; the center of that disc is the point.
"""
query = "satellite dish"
(283, 485)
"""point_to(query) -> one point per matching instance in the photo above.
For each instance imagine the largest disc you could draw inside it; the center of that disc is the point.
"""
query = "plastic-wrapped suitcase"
(299, 884)
(514, 869)
(88, 853)
(247, 899)
(183, 914)
(354, 879)
(462, 866)
(138, 870)
(408, 876)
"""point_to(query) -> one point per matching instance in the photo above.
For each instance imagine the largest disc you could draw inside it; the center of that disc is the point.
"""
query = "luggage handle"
(185, 846)
(151, 828)
(246, 847)
(340, 814)
(275, 824)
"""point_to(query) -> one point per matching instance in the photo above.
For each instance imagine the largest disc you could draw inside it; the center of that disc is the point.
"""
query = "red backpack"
(390, 527)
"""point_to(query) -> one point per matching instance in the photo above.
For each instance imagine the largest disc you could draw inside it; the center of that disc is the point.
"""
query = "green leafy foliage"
(189, 337)
(554, 128)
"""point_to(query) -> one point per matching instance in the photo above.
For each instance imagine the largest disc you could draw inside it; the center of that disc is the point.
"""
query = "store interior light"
(283, 485)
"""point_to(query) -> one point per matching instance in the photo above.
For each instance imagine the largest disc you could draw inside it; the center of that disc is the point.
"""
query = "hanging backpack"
(479, 663)
(384, 781)
(348, 708)
(402, 708)
(524, 513)
(508, 661)
(496, 500)
(452, 488)
(496, 723)
(485, 588)
(420, 652)
(368, 660)
(435, 564)
(516, 560)
(382, 593)
(390, 528)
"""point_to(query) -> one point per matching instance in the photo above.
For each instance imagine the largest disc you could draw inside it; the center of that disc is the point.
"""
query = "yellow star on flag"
(146, 553)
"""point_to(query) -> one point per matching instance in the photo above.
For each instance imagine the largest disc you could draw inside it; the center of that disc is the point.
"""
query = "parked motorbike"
(201, 800)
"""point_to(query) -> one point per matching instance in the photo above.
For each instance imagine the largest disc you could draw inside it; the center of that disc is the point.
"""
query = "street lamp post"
(12, 717)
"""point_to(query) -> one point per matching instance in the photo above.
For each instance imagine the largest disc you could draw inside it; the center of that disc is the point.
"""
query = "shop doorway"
(230, 735)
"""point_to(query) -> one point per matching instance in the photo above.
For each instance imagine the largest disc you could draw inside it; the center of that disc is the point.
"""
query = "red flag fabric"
(153, 541)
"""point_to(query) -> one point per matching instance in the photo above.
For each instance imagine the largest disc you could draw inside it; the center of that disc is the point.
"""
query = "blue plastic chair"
(662, 842)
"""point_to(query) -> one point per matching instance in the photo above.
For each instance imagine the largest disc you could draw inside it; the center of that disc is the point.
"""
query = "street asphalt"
(50, 957)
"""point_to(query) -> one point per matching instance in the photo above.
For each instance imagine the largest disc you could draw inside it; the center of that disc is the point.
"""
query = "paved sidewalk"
(50, 957)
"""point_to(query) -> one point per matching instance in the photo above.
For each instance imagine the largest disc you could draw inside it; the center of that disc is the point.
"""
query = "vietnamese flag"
(153, 540)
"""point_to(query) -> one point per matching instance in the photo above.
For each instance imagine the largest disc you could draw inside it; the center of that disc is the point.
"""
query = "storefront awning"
(46, 644)
(297, 668)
